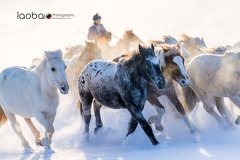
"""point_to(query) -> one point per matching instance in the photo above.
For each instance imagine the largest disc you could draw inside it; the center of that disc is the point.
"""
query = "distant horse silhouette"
(212, 78)
(72, 50)
(120, 85)
(172, 64)
(168, 39)
(129, 40)
(196, 46)
(75, 65)
(33, 93)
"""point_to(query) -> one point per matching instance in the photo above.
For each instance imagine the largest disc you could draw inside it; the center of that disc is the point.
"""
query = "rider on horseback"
(99, 34)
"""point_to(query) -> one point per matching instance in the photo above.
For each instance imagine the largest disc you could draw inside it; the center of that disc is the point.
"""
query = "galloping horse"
(77, 63)
(172, 64)
(120, 85)
(212, 78)
(33, 93)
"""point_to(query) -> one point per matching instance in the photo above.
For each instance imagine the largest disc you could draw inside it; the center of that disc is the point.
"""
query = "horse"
(72, 50)
(196, 46)
(168, 39)
(120, 85)
(129, 41)
(75, 65)
(33, 92)
(172, 64)
(212, 78)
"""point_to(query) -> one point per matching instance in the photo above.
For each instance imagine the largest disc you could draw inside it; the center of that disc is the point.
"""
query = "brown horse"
(172, 64)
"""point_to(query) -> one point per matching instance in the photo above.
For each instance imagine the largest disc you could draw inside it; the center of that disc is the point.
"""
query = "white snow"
(217, 21)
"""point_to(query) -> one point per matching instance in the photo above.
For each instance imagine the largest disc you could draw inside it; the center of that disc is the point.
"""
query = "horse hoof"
(39, 143)
(237, 121)
(197, 138)
(152, 119)
(159, 128)
(155, 143)
(28, 151)
(49, 150)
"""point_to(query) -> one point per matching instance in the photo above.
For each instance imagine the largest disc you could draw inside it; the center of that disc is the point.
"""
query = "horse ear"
(161, 57)
(139, 48)
(152, 46)
(178, 46)
(165, 48)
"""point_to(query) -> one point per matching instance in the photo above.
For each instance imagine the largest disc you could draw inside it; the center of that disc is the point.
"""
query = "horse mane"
(166, 39)
(214, 50)
(196, 41)
(166, 50)
(169, 49)
(72, 50)
(133, 56)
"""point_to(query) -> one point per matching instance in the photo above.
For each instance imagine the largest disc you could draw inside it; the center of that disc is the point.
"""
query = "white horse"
(33, 93)
(214, 77)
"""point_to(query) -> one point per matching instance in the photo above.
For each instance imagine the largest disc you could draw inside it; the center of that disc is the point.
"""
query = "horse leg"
(157, 119)
(204, 97)
(86, 100)
(47, 121)
(236, 101)
(97, 106)
(223, 111)
(17, 129)
(138, 116)
(35, 132)
(172, 96)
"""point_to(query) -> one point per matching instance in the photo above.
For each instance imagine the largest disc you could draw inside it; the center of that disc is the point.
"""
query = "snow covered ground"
(217, 21)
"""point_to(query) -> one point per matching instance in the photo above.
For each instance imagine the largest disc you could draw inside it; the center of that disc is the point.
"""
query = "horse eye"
(53, 69)
(173, 63)
(65, 66)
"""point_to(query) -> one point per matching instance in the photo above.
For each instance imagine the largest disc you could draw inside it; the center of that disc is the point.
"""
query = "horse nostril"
(182, 81)
(63, 88)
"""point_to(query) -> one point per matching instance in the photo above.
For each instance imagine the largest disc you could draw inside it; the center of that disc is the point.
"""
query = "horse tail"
(79, 105)
(189, 98)
(3, 117)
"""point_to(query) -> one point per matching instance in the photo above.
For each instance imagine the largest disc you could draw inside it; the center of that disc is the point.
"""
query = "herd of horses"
(184, 70)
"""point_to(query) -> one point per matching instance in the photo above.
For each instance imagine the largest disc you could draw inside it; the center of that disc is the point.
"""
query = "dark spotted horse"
(120, 85)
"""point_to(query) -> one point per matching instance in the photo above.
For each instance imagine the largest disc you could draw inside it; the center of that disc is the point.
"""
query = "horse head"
(94, 52)
(55, 70)
(151, 67)
(172, 63)
(192, 44)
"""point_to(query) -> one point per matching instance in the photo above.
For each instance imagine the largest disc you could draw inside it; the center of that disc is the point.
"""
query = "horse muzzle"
(184, 82)
(64, 87)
